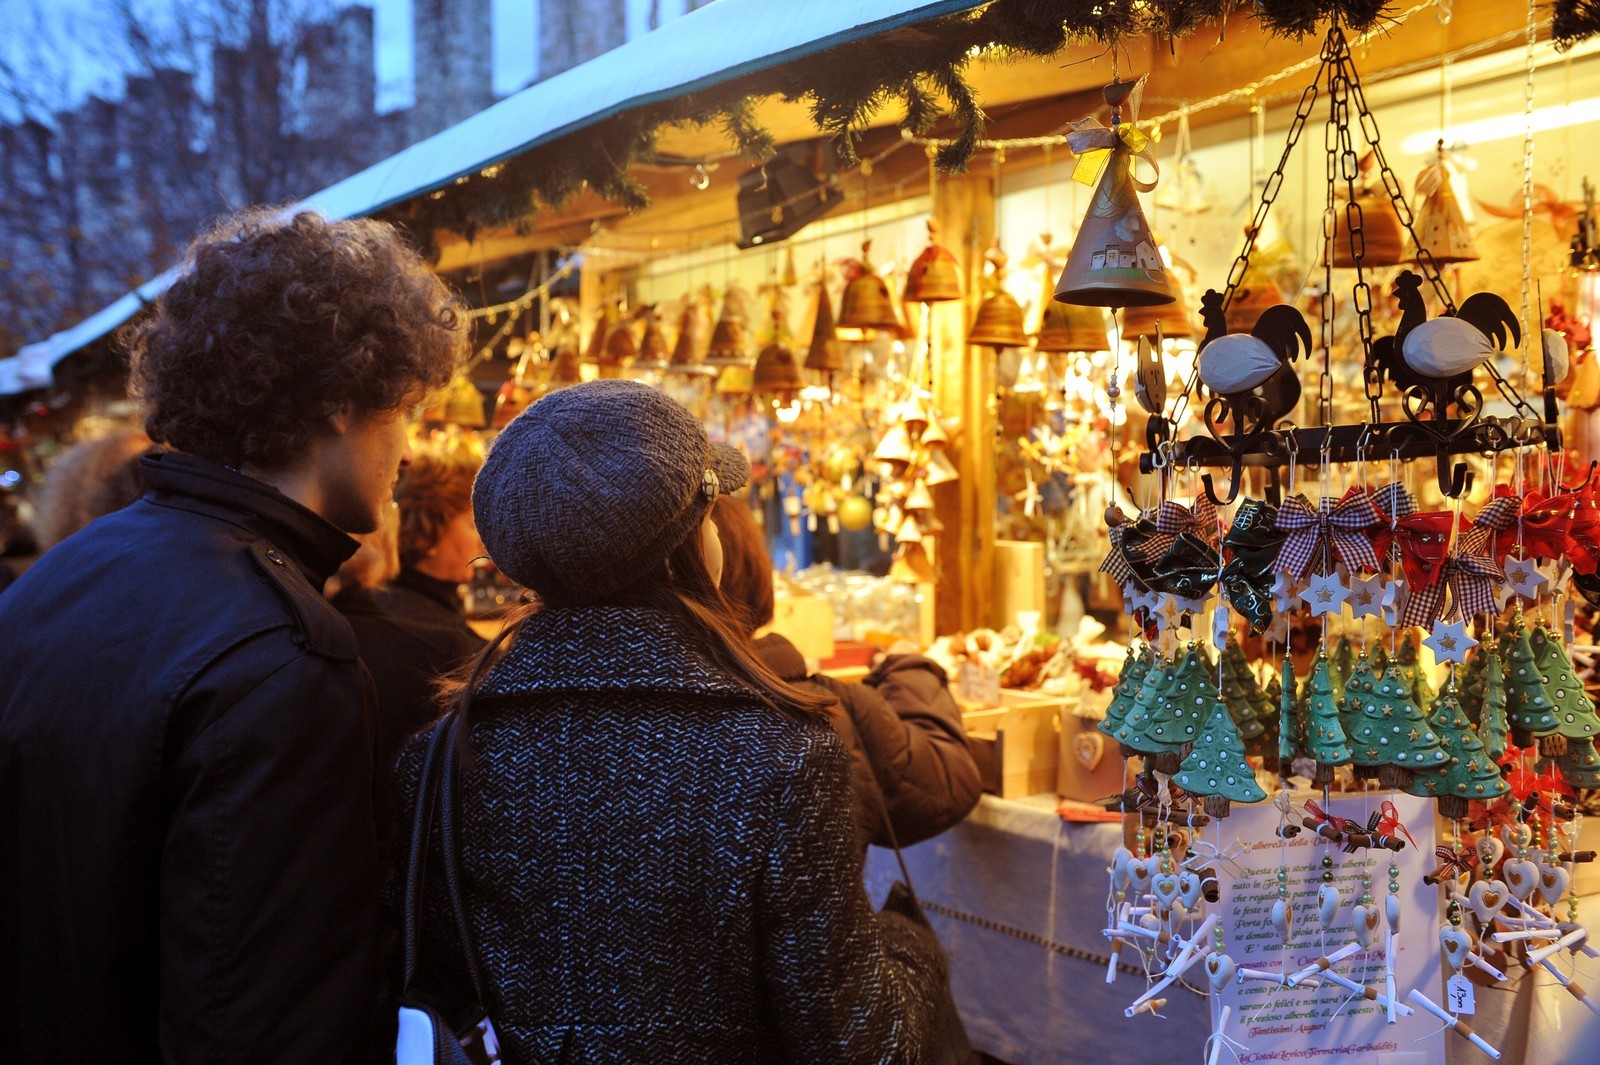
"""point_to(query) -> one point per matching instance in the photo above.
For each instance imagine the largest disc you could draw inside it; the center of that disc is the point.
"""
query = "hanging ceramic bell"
(919, 498)
(866, 303)
(729, 341)
(940, 469)
(998, 323)
(911, 565)
(1382, 237)
(596, 349)
(823, 352)
(653, 350)
(1256, 292)
(895, 447)
(689, 349)
(1440, 225)
(1114, 260)
(775, 372)
(619, 351)
(934, 276)
(1069, 327)
(1174, 319)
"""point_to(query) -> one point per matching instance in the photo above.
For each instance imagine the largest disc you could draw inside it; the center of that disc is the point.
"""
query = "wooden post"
(963, 387)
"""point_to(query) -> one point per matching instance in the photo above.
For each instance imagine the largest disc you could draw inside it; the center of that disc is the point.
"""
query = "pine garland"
(922, 68)
(1573, 21)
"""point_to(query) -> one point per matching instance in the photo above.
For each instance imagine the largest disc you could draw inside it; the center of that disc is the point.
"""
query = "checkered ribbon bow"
(1116, 563)
(1496, 524)
(1469, 575)
(1395, 502)
(1333, 532)
(1173, 519)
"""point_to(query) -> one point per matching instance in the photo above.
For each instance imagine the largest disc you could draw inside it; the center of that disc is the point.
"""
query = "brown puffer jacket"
(902, 721)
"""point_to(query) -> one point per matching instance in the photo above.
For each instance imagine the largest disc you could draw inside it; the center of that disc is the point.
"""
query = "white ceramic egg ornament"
(1237, 363)
(1558, 356)
(1446, 347)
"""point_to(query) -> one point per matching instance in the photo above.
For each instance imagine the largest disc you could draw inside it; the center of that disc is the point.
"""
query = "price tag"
(1459, 994)
(978, 684)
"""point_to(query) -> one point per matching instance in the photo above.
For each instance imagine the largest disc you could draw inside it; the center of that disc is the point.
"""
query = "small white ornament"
(1325, 595)
(1450, 641)
(1283, 593)
(1524, 578)
(1366, 596)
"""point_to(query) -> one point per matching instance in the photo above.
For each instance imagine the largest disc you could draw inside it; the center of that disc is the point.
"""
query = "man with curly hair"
(189, 825)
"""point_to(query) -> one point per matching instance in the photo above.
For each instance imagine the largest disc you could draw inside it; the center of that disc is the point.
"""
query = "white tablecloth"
(1018, 899)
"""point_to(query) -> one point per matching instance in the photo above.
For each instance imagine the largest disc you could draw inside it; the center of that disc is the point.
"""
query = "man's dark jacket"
(189, 865)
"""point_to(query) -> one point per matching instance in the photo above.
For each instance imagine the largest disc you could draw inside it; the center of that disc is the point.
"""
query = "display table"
(1018, 899)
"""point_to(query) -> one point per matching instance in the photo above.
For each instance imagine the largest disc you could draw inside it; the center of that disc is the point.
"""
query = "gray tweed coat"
(659, 869)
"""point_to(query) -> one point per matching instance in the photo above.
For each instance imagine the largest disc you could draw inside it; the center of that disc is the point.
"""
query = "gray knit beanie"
(593, 486)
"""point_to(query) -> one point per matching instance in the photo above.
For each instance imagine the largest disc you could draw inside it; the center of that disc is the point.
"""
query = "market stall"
(1217, 410)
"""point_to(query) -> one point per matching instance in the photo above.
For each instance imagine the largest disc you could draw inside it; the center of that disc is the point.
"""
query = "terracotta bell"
(775, 371)
(463, 405)
(619, 351)
(564, 368)
(686, 353)
(729, 338)
(934, 275)
(823, 353)
(1068, 327)
(1114, 261)
(866, 303)
(653, 348)
(1173, 317)
(1383, 238)
(998, 322)
(1256, 292)
(596, 348)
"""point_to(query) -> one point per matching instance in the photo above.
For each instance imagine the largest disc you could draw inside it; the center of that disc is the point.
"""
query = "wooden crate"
(1016, 744)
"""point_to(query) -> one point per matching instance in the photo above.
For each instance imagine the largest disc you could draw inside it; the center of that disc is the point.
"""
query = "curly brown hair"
(435, 488)
(275, 323)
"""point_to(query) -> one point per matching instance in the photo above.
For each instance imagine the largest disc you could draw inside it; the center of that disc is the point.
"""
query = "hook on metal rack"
(1236, 475)
(1453, 482)
(1581, 485)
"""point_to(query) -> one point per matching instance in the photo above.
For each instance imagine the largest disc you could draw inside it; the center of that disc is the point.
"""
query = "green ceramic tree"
(1580, 765)
(1471, 683)
(1216, 767)
(1405, 659)
(1470, 773)
(1575, 715)
(1238, 691)
(1291, 721)
(1527, 703)
(1392, 733)
(1340, 664)
(1134, 669)
(1184, 710)
(1152, 690)
(1325, 739)
(1493, 719)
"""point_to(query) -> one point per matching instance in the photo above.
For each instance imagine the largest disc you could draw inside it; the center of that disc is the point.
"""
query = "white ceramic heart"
(1490, 851)
(1121, 860)
(1283, 919)
(1521, 876)
(1219, 970)
(1391, 911)
(1486, 898)
(1365, 920)
(1457, 944)
(1139, 874)
(1553, 883)
(1165, 888)
(1327, 905)
(1189, 886)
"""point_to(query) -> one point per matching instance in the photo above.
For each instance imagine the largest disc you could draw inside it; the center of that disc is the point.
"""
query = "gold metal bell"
(866, 303)
(1069, 327)
(776, 372)
(823, 352)
(1140, 321)
(934, 275)
(998, 322)
(463, 405)
(1114, 261)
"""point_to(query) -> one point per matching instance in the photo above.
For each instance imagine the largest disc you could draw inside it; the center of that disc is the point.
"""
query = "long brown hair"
(683, 589)
(746, 566)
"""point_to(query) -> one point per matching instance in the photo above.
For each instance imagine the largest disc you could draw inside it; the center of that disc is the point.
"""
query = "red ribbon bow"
(1332, 532)
(1583, 536)
(1543, 522)
(1469, 576)
(1389, 822)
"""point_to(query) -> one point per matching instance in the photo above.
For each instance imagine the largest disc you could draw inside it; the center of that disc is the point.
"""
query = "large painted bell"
(866, 303)
(998, 323)
(934, 275)
(1440, 225)
(1114, 260)
(823, 352)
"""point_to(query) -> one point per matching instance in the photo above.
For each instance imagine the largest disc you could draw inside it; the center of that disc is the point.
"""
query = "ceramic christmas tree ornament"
(1471, 774)
(1216, 768)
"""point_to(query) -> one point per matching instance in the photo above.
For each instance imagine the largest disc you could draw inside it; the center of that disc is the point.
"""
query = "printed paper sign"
(1328, 1025)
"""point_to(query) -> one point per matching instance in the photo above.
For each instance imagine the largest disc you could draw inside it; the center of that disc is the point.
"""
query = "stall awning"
(724, 40)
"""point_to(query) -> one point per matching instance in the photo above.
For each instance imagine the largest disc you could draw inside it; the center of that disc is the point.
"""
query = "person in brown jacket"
(902, 726)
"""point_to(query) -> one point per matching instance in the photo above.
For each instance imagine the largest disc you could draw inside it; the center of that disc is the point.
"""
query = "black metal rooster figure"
(1252, 372)
(1438, 355)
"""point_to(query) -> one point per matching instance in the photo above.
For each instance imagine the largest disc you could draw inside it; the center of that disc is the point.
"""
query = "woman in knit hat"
(657, 841)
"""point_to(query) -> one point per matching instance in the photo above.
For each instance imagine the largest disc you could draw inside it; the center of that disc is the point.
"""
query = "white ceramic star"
(1168, 614)
(1366, 596)
(1150, 600)
(1503, 594)
(1524, 577)
(1192, 606)
(1283, 594)
(1326, 594)
(1554, 571)
(1395, 595)
(1450, 641)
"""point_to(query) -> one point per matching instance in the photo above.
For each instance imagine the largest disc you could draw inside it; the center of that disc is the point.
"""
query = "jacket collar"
(608, 648)
(189, 482)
